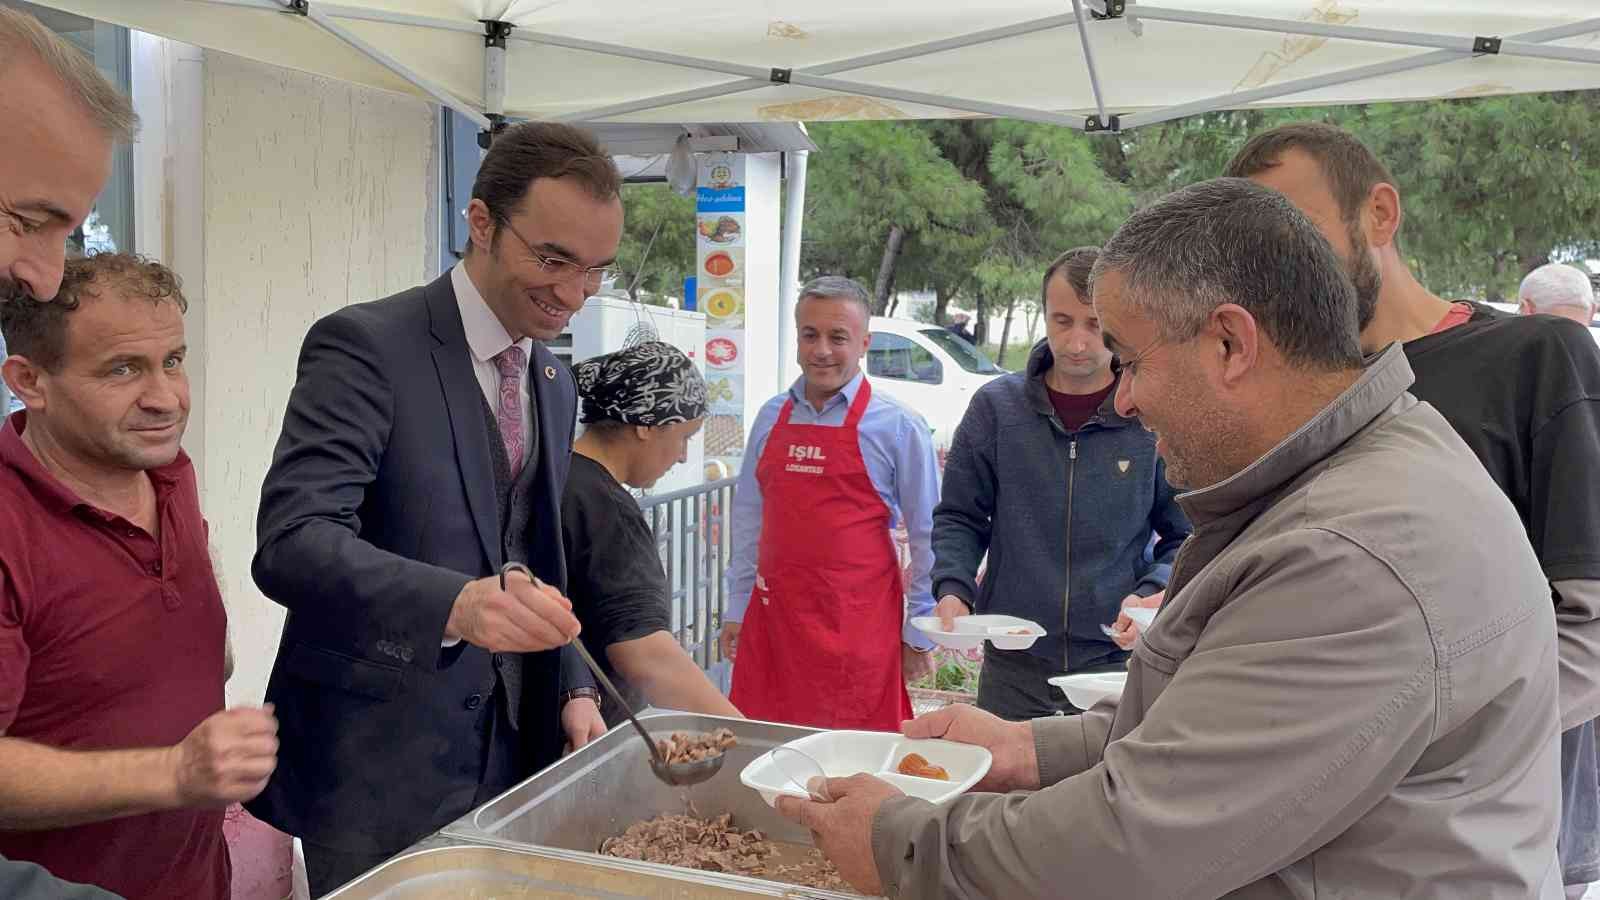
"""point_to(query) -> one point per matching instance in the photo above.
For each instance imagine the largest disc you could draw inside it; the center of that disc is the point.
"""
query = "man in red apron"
(816, 601)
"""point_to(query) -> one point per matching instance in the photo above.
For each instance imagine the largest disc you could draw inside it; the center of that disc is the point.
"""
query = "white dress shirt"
(486, 338)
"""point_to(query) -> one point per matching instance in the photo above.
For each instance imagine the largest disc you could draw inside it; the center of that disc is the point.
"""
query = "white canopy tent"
(1090, 64)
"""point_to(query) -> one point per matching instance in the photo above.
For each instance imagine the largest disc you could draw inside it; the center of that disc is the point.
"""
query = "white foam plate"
(845, 753)
(972, 631)
(1090, 688)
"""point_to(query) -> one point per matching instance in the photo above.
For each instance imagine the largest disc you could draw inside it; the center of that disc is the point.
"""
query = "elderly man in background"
(1522, 391)
(816, 607)
(1556, 289)
(1342, 697)
(958, 327)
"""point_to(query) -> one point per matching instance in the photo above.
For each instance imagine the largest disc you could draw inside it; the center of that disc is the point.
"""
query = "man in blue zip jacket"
(1068, 499)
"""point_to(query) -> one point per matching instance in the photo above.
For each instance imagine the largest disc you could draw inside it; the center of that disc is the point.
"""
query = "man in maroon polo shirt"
(116, 755)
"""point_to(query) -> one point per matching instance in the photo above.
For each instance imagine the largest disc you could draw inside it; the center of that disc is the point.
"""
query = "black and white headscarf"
(647, 384)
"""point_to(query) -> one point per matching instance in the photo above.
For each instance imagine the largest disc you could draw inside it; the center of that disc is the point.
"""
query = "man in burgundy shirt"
(116, 756)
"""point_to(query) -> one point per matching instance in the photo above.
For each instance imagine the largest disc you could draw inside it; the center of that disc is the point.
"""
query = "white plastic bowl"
(972, 631)
(1090, 688)
(845, 753)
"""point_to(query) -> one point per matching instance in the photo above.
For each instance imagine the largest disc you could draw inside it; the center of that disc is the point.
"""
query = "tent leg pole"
(494, 80)
(1088, 61)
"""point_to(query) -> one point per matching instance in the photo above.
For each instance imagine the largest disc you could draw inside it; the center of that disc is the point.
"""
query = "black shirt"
(1524, 393)
(614, 576)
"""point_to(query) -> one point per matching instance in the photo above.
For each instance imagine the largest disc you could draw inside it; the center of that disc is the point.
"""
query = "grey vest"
(512, 502)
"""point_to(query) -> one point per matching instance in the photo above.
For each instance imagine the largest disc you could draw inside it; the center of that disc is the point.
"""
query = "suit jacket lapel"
(555, 419)
(537, 478)
(464, 401)
(542, 388)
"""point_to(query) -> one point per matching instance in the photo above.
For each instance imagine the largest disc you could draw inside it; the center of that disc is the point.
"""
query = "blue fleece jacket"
(1072, 522)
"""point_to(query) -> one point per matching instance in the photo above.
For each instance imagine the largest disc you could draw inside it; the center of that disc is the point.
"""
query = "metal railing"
(692, 533)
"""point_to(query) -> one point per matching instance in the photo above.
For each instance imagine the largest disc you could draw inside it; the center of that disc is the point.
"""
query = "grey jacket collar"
(1040, 359)
(1385, 378)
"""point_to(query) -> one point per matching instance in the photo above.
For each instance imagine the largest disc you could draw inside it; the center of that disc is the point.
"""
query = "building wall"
(317, 194)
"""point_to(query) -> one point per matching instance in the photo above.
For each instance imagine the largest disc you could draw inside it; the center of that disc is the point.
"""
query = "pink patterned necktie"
(511, 362)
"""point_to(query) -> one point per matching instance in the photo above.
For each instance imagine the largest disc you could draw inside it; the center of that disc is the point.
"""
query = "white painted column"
(316, 195)
(794, 214)
(763, 278)
(168, 201)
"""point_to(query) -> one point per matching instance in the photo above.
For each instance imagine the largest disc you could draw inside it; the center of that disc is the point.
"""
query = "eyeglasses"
(1130, 365)
(564, 269)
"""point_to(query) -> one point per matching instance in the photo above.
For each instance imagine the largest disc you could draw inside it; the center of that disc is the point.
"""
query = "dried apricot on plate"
(915, 764)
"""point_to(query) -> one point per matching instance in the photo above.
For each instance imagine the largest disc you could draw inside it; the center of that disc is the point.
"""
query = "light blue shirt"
(898, 450)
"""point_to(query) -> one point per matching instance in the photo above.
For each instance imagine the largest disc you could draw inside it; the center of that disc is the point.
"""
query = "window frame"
(911, 346)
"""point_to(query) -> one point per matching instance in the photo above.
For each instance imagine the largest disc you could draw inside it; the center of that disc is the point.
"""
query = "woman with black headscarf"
(641, 406)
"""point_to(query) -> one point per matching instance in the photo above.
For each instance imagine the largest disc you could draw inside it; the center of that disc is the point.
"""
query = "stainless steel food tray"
(599, 791)
(465, 871)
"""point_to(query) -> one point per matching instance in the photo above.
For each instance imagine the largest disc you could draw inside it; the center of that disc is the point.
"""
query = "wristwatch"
(576, 693)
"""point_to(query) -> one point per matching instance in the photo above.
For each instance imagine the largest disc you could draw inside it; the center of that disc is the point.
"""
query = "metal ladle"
(681, 774)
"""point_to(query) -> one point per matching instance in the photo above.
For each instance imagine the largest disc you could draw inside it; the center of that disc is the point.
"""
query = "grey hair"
(836, 287)
(1230, 240)
(1557, 284)
(111, 110)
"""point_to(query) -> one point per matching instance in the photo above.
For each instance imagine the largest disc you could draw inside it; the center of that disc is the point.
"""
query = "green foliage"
(951, 677)
(1491, 189)
(957, 672)
(871, 176)
(1053, 190)
(653, 209)
(984, 205)
(1163, 158)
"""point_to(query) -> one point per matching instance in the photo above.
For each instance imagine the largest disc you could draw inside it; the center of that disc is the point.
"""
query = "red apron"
(820, 643)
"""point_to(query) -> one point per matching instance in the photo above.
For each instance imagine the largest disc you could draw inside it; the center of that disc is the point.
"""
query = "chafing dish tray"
(487, 872)
(607, 786)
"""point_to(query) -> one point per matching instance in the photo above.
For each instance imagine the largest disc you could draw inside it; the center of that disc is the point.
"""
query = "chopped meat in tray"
(715, 845)
(682, 748)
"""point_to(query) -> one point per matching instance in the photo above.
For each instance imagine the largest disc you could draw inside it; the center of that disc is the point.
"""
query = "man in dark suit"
(427, 442)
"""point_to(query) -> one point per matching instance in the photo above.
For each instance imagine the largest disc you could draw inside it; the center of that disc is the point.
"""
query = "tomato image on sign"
(721, 352)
